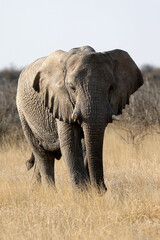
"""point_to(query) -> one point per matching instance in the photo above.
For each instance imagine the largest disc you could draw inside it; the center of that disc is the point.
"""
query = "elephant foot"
(80, 182)
(101, 189)
(42, 179)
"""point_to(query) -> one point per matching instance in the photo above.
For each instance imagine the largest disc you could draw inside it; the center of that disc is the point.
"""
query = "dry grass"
(129, 210)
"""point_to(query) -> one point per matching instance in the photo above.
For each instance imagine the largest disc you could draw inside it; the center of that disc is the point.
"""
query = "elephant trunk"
(93, 117)
(94, 150)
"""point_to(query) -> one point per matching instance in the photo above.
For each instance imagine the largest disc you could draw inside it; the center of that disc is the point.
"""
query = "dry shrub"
(9, 119)
(9, 74)
(142, 116)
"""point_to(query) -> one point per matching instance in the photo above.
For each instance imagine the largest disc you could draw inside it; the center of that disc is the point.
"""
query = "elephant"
(65, 101)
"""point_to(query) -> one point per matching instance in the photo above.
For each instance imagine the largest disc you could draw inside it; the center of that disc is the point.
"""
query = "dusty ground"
(129, 210)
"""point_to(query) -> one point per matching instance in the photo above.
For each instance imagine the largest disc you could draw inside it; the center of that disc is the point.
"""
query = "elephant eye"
(72, 88)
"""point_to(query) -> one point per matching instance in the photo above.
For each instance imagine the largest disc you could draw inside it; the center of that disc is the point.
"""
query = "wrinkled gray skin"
(90, 84)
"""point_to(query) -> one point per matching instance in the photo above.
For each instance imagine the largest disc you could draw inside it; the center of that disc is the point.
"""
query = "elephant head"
(88, 87)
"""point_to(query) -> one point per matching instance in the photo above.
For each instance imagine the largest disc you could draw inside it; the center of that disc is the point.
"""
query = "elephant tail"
(30, 162)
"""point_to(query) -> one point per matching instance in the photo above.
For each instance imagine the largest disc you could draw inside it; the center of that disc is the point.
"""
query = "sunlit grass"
(129, 210)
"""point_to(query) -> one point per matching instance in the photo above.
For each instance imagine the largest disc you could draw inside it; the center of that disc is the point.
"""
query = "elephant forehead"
(92, 65)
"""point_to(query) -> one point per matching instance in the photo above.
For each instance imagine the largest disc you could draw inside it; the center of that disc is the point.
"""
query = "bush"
(147, 69)
(142, 115)
(9, 75)
(9, 119)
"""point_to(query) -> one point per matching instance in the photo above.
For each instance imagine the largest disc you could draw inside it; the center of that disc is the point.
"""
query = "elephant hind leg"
(36, 174)
(43, 159)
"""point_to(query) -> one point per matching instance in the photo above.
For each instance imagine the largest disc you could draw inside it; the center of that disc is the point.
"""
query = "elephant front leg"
(71, 148)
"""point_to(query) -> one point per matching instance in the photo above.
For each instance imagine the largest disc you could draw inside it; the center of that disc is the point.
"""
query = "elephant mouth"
(116, 118)
(76, 117)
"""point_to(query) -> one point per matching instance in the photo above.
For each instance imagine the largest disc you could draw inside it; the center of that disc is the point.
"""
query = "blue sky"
(34, 28)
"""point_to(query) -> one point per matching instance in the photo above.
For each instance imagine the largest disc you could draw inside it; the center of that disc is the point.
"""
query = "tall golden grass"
(129, 210)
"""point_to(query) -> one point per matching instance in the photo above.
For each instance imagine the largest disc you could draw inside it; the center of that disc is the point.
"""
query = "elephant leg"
(44, 165)
(44, 160)
(29, 164)
(71, 149)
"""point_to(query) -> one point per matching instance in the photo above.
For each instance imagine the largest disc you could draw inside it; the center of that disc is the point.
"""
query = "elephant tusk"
(114, 117)
(74, 116)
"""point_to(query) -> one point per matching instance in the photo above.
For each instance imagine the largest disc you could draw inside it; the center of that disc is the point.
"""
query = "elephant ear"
(49, 83)
(128, 79)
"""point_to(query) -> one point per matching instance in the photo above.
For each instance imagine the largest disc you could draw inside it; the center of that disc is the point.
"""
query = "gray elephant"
(65, 102)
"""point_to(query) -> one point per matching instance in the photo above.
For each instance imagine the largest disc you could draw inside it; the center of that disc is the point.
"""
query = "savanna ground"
(129, 210)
